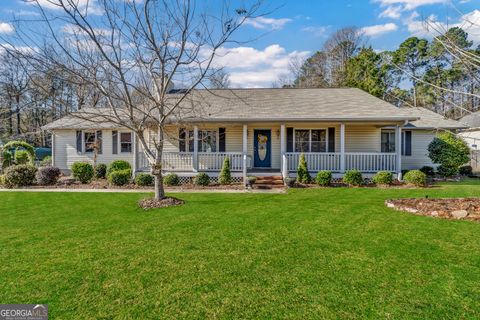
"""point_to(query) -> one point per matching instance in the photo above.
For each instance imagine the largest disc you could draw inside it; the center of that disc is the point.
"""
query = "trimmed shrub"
(120, 177)
(48, 175)
(144, 180)
(22, 157)
(171, 179)
(202, 179)
(465, 170)
(429, 171)
(449, 151)
(324, 178)
(100, 171)
(302, 171)
(2, 180)
(20, 145)
(47, 161)
(82, 171)
(353, 178)
(416, 177)
(225, 175)
(446, 171)
(118, 165)
(19, 176)
(383, 178)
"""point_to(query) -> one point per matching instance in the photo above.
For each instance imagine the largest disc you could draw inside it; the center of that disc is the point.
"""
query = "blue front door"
(262, 143)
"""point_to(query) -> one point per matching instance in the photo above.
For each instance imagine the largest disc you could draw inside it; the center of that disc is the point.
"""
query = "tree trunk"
(159, 190)
(157, 171)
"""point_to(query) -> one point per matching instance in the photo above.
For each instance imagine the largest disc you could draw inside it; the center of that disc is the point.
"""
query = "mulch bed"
(453, 208)
(69, 183)
(152, 203)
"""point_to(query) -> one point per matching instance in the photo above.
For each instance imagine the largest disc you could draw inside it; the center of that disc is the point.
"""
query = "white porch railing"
(365, 162)
(184, 161)
(214, 161)
(172, 161)
(315, 161)
(370, 162)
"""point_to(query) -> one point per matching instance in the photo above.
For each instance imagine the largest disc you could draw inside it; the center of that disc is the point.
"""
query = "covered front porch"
(254, 149)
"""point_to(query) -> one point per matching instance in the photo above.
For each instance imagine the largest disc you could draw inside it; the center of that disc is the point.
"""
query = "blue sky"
(297, 28)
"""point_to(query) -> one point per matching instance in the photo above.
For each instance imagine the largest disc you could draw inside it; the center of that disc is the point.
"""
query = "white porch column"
(342, 147)
(244, 152)
(135, 154)
(53, 148)
(398, 151)
(283, 149)
(195, 148)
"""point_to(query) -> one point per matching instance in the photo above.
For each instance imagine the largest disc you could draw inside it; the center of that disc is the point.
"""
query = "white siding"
(358, 138)
(419, 158)
(362, 138)
(66, 151)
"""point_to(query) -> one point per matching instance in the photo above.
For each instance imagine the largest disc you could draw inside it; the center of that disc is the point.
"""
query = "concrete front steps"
(268, 182)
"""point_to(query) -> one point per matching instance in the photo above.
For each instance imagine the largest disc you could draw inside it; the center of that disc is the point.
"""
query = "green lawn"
(325, 253)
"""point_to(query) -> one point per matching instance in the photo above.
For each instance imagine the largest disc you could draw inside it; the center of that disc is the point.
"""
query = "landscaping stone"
(455, 208)
(459, 214)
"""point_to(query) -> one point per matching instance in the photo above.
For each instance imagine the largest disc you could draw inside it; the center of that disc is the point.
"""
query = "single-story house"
(472, 136)
(264, 132)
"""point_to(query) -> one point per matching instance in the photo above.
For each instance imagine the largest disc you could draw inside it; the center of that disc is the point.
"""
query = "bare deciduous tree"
(219, 79)
(130, 54)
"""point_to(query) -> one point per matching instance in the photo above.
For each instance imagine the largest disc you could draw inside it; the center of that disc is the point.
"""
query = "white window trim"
(83, 140)
(187, 134)
(394, 139)
(310, 138)
(119, 144)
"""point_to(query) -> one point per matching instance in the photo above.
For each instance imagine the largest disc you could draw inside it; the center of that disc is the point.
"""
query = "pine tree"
(302, 171)
(225, 175)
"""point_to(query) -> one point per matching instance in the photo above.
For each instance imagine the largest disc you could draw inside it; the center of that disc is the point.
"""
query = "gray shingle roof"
(262, 105)
(431, 120)
(293, 104)
(472, 120)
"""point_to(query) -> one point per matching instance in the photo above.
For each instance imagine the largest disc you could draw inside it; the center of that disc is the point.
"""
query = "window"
(319, 141)
(92, 140)
(125, 142)
(207, 141)
(388, 141)
(307, 140)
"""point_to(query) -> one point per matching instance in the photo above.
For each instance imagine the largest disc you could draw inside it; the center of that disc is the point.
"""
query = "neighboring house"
(264, 131)
(472, 136)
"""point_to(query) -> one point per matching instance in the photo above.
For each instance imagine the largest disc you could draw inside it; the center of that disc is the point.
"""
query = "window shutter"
(331, 139)
(99, 141)
(408, 143)
(114, 142)
(289, 139)
(221, 141)
(79, 141)
(181, 140)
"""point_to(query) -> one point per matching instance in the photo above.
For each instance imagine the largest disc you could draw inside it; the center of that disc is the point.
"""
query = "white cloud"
(379, 29)
(6, 27)
(393, 12)
(410, 4)
(254, 68)
(470, 22)
(89, 6)
(320, 31)
(267, 23)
